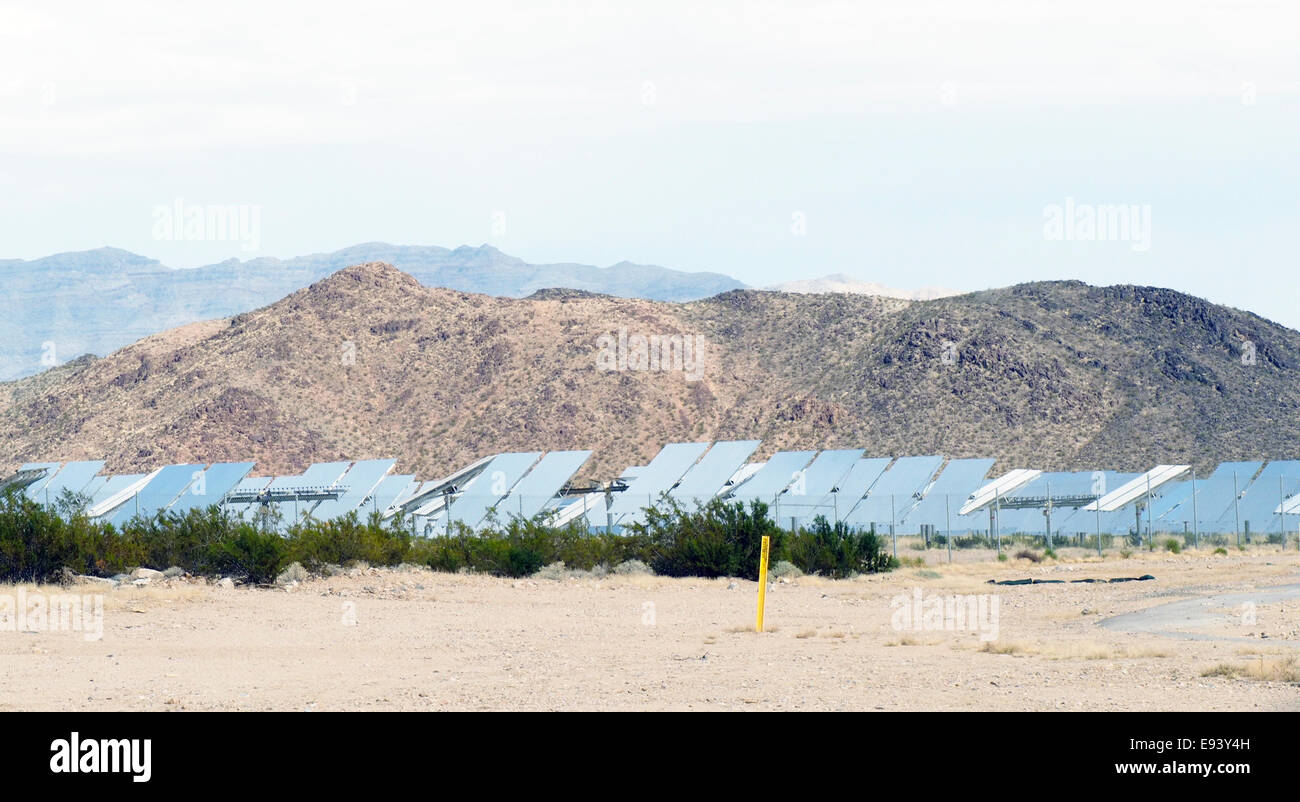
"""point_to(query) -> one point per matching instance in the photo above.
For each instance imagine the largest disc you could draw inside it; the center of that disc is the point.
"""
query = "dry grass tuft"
(1265, 669)
(1073, 650)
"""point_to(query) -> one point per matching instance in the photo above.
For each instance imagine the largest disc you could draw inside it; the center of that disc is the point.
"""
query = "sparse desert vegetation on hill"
(370, 363)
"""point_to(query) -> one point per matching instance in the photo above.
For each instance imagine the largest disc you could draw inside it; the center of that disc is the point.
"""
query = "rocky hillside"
(369, 362)
(60, 307)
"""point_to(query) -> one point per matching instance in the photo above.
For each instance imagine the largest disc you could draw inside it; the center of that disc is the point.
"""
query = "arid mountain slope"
(68, 304)
(369, 363)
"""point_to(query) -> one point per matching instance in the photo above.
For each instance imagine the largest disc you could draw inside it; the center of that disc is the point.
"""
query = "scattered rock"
(226, 583)
(83, 579)
(147, 573)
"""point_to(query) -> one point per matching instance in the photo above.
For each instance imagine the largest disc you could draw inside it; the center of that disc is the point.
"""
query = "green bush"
(194, 541)
(718, 538)
(346, 540)
(253, 554)
(1173, 546)
(36, 543)
(837, 551)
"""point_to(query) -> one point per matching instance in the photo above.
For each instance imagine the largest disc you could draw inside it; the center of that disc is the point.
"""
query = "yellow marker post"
(762, 581)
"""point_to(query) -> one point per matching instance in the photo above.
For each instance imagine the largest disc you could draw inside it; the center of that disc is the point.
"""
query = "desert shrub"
(251, 553)
(634, 567)
(972, 542)
(1026, 554)
(521, 547)
(837, 551)
(193, 540)
(783, 569)
(293, 572)
(37, 543)
(346, 540)
(1173, 546)
(1221, 551)
(717, 538)
(556, 571)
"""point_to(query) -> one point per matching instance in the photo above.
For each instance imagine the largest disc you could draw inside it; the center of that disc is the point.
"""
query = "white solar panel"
(486, 490)
(360, 481)
(539, 485)
(953, 485)
(812, 492)
(117, 491)
(1007, 483)
(1290, 507)
(706, 477)
(392, 492)
(1137, 488)
(158, 494)
(896, 491)
(72, 477)
(212, 487)
(669, 465)
(775, 476)
(34, 489)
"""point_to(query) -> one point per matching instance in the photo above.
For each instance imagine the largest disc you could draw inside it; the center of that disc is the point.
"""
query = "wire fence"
(1205, 517)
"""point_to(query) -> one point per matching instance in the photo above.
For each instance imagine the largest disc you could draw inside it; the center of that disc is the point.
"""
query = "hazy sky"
(909, 143)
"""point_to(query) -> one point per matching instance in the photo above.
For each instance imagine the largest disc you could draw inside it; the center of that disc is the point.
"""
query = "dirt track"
(426, 641)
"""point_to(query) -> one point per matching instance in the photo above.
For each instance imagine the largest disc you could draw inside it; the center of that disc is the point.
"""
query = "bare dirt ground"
(417, 640)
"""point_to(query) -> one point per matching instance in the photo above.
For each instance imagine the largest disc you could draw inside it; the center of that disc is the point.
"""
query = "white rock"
(226, 583)
(147, 573)
(97, 580)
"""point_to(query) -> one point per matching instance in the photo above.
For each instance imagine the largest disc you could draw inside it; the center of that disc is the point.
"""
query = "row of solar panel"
(903, 494)
(915, 492)
(519, 483)
(797, 486)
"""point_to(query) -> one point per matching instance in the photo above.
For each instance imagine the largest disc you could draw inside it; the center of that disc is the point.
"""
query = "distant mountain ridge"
(59, 307)
(840, 282)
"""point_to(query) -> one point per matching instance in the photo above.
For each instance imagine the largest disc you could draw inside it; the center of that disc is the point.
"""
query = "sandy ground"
(417, 640)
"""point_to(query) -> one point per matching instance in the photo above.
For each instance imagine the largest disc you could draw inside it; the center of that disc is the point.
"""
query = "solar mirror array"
(904, 495)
